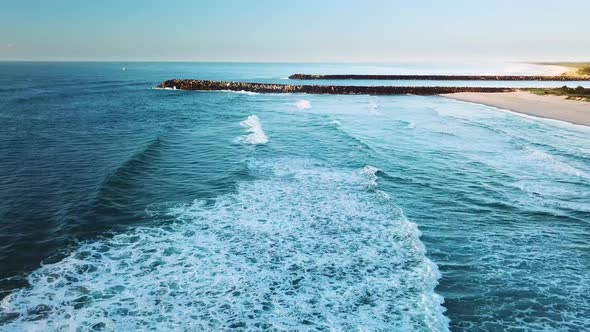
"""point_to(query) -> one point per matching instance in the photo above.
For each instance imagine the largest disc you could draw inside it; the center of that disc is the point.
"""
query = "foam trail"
(253, 126)
(302, 245)
(550, 162)
(302, 104)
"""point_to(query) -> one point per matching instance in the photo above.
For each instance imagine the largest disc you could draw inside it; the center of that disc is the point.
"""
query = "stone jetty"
(202, 85)
(438, 77)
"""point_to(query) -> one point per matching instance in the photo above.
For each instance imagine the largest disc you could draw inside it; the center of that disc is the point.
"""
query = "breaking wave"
(371, 173)
(303, 245)
(253, 126)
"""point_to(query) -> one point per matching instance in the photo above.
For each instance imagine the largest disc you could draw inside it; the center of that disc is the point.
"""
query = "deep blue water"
(127, 207)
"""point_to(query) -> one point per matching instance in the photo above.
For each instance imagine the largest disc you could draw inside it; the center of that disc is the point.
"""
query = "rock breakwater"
(438, 77)
(203, 85)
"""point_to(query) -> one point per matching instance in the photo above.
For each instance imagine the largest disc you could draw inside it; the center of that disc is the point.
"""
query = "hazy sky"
(299, 30)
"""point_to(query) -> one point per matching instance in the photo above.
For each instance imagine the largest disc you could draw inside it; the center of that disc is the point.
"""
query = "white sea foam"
(550, 162)
(302, 244)
(411, 125)
(164, 88)
(302, 104)
(242, 92)
(253, 126)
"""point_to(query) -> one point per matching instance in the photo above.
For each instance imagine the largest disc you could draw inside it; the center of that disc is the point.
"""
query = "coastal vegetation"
(579, 93)
(581, 70)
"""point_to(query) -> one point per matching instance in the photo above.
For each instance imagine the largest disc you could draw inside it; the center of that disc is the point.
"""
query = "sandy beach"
(551, 107)
(554, 70)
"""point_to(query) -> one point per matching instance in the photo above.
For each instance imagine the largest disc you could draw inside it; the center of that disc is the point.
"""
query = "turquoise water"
(127, 207)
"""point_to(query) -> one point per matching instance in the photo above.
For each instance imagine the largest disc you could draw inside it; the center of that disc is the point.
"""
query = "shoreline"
(548, 107)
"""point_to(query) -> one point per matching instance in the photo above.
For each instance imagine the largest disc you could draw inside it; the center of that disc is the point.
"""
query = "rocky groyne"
(203, 85)
(438, 77)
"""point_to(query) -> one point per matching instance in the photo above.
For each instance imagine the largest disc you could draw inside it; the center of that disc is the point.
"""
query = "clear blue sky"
(299, 30)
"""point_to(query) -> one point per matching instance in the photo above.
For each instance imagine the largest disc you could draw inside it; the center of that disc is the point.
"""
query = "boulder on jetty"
(202, 85)
(438, 77)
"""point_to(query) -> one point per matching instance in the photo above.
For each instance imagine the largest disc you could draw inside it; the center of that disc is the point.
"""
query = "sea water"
(124, 207)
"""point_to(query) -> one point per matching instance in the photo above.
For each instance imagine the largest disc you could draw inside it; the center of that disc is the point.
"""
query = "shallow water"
(154, 209)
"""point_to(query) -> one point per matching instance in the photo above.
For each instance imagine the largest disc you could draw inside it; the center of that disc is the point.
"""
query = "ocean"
(124, 207)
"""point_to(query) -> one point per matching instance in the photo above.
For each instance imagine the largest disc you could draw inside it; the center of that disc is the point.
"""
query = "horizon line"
(536, 62)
